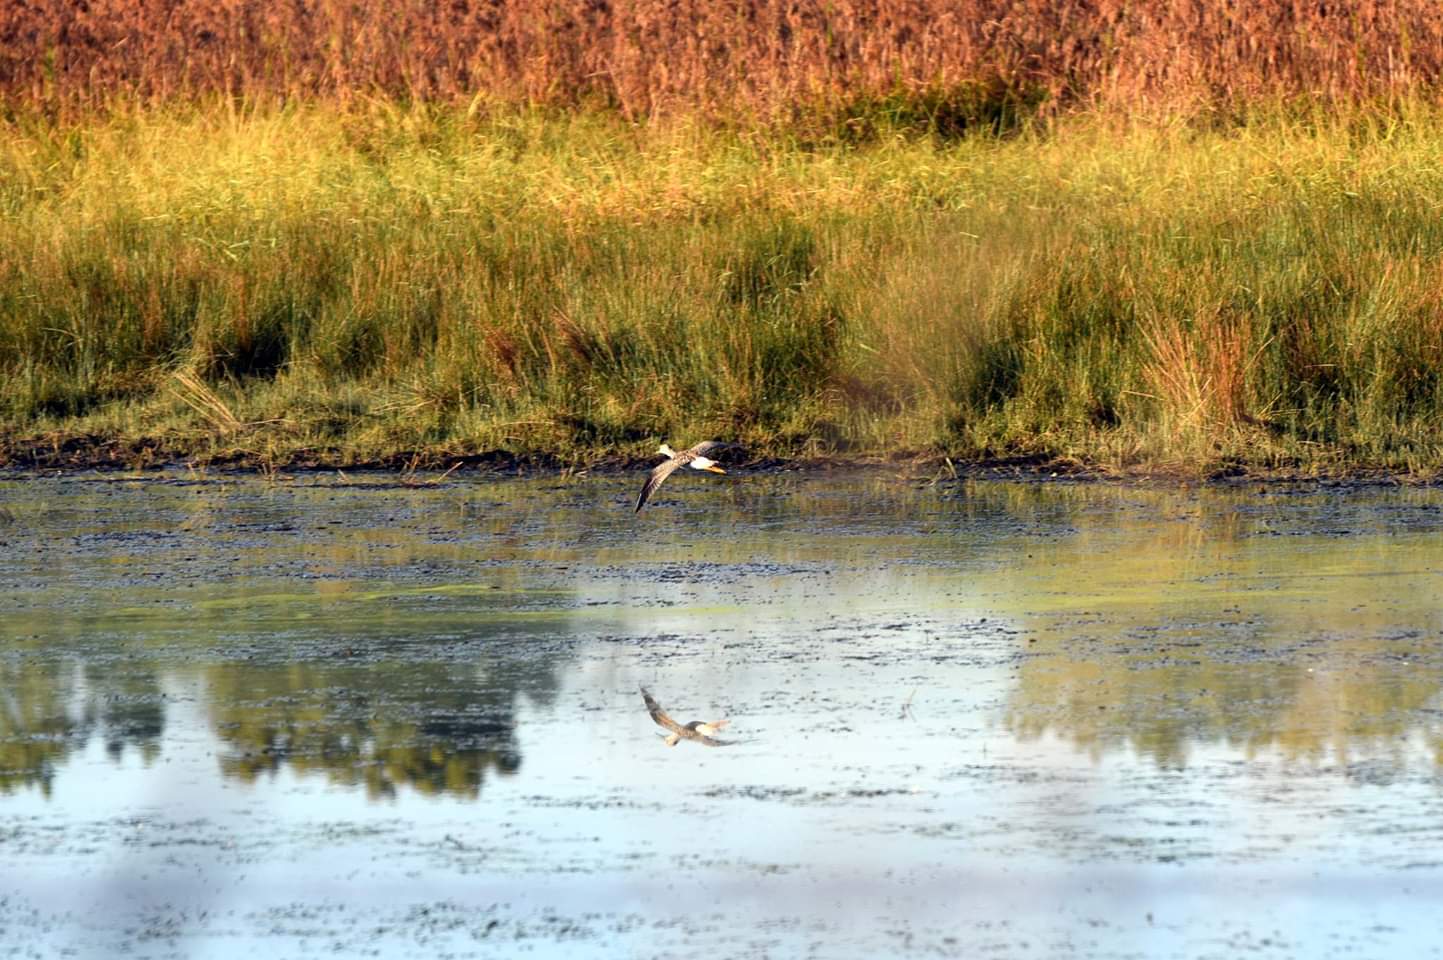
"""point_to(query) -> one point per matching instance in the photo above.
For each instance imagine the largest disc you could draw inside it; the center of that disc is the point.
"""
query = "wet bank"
(162, 459)
(357, 716)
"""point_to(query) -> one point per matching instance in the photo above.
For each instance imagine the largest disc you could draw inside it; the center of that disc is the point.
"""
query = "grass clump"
(357, 282)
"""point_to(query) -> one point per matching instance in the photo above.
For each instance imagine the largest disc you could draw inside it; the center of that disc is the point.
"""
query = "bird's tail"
(672, 739)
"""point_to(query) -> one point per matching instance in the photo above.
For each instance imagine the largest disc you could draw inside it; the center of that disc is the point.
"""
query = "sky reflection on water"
(985, 716)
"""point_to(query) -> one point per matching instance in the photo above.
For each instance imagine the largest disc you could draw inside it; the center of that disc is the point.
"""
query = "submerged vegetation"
(1047, 243)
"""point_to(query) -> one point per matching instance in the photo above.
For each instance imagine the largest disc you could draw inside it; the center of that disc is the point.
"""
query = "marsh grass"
(353, 283)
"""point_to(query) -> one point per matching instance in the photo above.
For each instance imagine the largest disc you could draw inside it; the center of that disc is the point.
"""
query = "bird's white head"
(665, 450)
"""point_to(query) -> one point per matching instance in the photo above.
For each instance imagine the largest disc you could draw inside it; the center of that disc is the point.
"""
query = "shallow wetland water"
(1020, 720)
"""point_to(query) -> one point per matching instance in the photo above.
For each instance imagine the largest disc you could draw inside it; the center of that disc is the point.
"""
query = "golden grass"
(378, 281)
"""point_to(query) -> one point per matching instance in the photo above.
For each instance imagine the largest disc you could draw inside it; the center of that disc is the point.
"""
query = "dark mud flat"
(325, 718)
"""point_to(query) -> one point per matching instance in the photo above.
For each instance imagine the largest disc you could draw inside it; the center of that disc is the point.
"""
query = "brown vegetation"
(762, 57)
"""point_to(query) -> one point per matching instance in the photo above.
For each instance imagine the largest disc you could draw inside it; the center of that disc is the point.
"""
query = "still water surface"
(321, 717)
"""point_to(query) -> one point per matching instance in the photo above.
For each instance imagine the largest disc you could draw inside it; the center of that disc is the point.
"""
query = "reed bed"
(345, 284)
(943, 63)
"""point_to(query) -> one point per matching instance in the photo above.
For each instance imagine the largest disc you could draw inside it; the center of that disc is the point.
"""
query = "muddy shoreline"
(98, 453)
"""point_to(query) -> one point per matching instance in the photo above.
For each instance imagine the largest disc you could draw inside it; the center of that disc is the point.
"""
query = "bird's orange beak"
(715, 469)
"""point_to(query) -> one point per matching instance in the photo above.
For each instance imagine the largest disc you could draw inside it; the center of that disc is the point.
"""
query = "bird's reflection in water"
(700, 731)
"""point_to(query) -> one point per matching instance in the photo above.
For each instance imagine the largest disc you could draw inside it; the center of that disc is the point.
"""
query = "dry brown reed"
(759, 57)
(1199, 371)
(203, 400)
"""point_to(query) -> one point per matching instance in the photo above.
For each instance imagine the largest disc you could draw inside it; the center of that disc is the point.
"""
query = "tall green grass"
(353, 284)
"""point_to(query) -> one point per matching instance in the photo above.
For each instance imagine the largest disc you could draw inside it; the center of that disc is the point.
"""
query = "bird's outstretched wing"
(704, 448)
(659, 715)
(663, 470)
(710, 741)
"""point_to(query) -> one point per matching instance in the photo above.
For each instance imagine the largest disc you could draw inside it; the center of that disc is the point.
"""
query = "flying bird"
(697, 730)
(687, 458)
